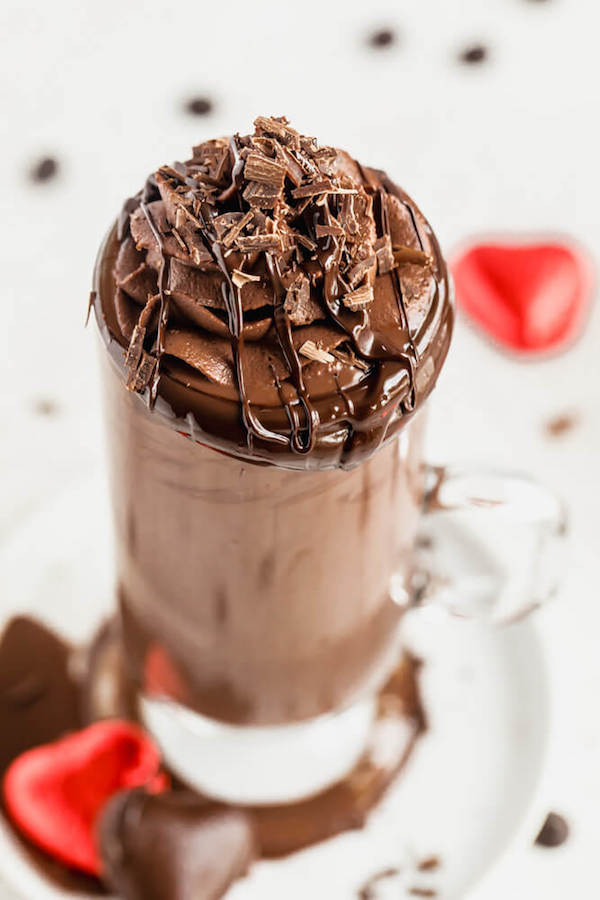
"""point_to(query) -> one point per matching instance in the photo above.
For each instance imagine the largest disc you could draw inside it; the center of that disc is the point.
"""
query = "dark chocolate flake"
(264, 170)
(259, 243)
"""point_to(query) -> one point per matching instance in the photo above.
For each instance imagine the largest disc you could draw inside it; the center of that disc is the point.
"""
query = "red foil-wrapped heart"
(55, 792)
(530, 297)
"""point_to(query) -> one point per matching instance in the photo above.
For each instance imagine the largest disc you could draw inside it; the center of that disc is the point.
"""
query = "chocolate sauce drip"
(235, 314)
(163, 316)
(298, 443)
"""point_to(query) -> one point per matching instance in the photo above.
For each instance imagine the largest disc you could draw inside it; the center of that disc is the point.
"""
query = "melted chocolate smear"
(554, 831)
(44, 169)
(174, 845)
(381, 38)
(286, 828)
(39, 703)
(369, 889)
(199, 106)
(477, 53)
(422, 892)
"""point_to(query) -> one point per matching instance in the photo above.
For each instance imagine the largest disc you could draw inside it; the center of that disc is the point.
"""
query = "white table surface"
(511, 144)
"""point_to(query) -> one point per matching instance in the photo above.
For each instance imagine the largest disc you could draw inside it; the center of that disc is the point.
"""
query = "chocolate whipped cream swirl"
(287, 303)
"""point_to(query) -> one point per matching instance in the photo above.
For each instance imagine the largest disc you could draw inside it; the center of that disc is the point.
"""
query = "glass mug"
(261, 606)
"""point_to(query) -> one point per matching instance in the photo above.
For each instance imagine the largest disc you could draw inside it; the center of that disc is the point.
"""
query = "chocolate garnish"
(44, 169)
(416, 891)
(173, 845)
(554, 831)
(256, 237)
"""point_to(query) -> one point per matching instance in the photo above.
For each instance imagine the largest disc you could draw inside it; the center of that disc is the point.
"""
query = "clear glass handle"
(491, 546)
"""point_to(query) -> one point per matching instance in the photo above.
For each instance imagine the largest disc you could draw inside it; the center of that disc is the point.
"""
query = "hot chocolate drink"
(274, 316)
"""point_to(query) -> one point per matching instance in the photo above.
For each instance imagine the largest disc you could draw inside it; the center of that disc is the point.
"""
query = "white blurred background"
(507, 144)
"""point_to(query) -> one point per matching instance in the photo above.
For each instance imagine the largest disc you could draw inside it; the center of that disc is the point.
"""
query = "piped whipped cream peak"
(282, 275)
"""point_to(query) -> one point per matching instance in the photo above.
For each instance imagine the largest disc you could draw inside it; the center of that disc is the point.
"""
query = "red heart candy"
(54, 793)
(530, 297)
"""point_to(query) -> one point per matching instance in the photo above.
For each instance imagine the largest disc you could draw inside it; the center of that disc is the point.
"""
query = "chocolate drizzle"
(257, 247)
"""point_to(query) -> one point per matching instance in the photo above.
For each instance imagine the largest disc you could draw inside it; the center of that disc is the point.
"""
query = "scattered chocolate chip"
(429, 864)
(44, 169)
(174, 845)
(474, 54)
(382, 37)
(561, 424)
(369, 889)
(199, 106)
(554, 832)
(44, 406)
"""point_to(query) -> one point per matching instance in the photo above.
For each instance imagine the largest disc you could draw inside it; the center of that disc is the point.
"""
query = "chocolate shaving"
(136, 348)
(384, 254)
(240, 278)
(298, 304)
(262, 196)
(311, 351)
(139, 378)
(279, 128)
(317, 187)
(259, 242)
(348, 358)
(264, 170)
(404, 255)
(230, 237)
(359, 299)
(357, 272)
(331, 229)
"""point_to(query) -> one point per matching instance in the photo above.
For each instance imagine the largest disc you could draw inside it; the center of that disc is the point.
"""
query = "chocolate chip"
(476, 53)
(44, 406)
(199, 106)
(429, 864)
(554, 832)
(561, 424)
(383, 37)
(44, 169)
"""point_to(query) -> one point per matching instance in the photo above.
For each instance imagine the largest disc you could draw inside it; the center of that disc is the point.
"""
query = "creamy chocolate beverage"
(274, 316)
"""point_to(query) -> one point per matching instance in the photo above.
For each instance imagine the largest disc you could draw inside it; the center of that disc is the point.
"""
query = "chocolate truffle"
(172, 846)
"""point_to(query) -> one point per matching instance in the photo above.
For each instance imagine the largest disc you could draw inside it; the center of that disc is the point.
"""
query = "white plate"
(468, 793)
